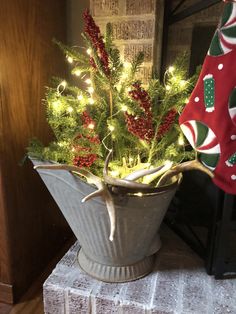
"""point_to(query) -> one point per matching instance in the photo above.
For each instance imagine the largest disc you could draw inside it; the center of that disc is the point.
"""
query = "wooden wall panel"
(31, 227)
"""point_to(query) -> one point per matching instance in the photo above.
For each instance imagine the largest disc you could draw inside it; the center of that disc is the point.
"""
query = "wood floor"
(32, 301)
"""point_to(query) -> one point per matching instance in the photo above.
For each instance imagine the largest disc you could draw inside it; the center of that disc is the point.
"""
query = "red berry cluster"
(87, 120)
(167, 123)
(142, 126)
(93, 31)
(85, 161)
(141, 96)
(92, 63)
(93, 139)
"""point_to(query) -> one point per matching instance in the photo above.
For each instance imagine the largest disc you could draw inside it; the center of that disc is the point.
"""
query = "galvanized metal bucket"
(131, 254)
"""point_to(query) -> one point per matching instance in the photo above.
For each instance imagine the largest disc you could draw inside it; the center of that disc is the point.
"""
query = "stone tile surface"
(177, 285)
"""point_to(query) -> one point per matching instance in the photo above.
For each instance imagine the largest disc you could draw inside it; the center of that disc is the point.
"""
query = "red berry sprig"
(85, 161)
(87, 120)
(142, 126)
(167, 123)
(93, 31)
(141, 96)
(85, 158)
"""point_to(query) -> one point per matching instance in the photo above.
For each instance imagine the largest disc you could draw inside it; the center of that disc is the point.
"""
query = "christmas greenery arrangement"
(114, 113)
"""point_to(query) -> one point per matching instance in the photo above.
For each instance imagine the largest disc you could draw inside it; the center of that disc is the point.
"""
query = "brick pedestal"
(178, 285)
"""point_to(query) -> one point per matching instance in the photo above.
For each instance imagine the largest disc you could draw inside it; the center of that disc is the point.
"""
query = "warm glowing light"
(139, 194)
(115, 173)
(70, 109)
(90, 89)
(182, 83)
(168, 163)
(73, 149)
(186, 101)
(124, 108)
(62, 144)
(127, 64)
(88, 81)
(129, 89)
(111, 128)
(91, 126)
(80, 97)
(57, 105)
(171, 69)
(89, 51)
(168, 87)
(91, 101)
(63, 84)
(125, 75)
(77, 72)
(69, 59)
(181, 141)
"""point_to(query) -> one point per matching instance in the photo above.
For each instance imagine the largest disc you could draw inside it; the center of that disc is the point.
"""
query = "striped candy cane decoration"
(224, 39)
(204, 141)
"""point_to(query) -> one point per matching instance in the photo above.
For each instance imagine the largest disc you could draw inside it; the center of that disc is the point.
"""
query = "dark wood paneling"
(6, 293)
(34, 228)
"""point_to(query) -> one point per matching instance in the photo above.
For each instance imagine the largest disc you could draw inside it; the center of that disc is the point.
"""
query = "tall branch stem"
(111, 102)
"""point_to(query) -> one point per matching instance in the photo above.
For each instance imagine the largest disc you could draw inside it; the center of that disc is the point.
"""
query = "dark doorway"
(201, 39)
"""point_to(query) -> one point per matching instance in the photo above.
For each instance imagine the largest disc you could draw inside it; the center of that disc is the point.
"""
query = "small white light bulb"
(115, 173)
(181, 141)
(131, 159)
(182, 83)
(168, 87)
(88, 81)
(91, 101)
(69, 59)
(89, 51)
(80, 97)
(124, 108)
(111, 128)
(63, 83)
(171, 69)
(91, 126)
(70, 109)
(127, 64)
(77, 72)
(90, 89)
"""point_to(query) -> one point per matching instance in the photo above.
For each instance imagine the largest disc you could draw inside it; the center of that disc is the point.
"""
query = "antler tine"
(83, 172)
(106, 164)
(186, 166)
(120, 182)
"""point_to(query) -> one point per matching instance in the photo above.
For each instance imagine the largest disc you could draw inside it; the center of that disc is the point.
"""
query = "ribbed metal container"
(131, 255)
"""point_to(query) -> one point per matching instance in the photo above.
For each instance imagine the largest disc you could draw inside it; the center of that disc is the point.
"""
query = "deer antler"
(102, 190)
(120, 182)
(186, 166)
